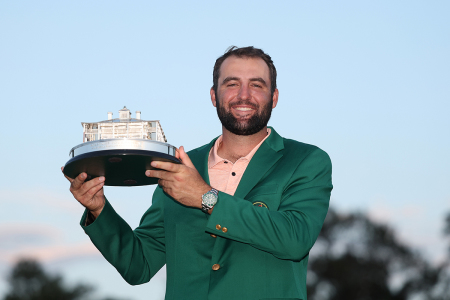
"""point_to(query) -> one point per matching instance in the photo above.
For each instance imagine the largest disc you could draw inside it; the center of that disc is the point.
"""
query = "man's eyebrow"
(229, 79)
(259, 79)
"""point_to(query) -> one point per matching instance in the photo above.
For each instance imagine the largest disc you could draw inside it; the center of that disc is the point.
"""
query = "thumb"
(185, 158)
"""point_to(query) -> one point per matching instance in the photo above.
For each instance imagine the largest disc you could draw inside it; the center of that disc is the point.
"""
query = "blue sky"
(367, 81)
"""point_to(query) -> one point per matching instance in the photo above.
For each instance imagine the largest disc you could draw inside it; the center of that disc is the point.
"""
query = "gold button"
(218, 227)
(224, 229)
(216, 267)
(213, 235)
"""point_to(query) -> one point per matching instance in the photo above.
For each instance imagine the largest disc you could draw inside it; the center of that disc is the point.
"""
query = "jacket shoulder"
(299, 147)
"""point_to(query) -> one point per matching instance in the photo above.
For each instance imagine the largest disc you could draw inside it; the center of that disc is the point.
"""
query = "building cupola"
(124, 113)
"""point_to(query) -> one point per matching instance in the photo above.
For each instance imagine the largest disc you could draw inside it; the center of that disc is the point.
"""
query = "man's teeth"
(243, 108)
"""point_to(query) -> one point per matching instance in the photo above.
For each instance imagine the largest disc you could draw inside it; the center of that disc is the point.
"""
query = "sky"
(367, 81)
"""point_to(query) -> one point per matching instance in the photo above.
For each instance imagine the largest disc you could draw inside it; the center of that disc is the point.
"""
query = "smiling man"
(237, 218)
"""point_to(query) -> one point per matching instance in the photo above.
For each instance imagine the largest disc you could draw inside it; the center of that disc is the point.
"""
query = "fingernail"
(83, 175)
(147, 173)
(153, 164)
(101, 178)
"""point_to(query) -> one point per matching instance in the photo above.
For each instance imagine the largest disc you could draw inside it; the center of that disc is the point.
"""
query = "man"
(237, 218)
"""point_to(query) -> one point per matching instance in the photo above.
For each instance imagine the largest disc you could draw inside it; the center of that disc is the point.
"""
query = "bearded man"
(237, 218)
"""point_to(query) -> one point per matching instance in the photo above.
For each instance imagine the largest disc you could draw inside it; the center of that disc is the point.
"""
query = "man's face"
(243, 100)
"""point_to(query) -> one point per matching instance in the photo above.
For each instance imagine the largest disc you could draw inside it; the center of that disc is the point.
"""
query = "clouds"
(37, 198)
(41, 242)
(18, 235)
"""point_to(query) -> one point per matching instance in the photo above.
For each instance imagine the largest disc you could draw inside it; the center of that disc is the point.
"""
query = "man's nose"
(244, 93)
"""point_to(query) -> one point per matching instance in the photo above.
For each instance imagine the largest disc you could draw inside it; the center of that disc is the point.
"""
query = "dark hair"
(246, 52)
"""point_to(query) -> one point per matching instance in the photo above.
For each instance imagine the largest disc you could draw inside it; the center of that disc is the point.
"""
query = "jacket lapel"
(266, 156)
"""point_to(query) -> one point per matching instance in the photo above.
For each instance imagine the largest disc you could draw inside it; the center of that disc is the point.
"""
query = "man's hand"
(181, 181)
(90, 193)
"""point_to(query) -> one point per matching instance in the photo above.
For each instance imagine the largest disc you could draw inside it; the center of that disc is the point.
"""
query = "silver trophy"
(120, 149)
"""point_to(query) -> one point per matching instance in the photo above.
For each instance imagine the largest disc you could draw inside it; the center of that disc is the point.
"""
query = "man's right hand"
(90, 193)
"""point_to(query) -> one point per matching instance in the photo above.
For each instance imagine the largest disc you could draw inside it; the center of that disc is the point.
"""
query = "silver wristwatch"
(209, 199)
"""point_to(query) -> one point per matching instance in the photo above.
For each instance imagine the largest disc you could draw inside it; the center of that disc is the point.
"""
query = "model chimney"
(109, 115)
(138, 115)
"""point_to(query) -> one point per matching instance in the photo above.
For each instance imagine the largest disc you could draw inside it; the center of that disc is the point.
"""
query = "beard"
(248, 126)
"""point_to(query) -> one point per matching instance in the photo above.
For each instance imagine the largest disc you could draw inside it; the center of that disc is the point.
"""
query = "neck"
(235, 146)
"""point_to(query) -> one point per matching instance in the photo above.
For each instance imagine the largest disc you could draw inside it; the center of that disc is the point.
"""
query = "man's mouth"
(243, 108)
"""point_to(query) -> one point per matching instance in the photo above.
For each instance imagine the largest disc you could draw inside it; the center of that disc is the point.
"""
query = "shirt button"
(234, 174)
(213, 235)
(216, 267)
(224, 229)
(218, 227)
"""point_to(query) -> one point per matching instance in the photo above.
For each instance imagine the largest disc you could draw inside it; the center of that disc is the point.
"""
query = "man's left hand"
(181, 181)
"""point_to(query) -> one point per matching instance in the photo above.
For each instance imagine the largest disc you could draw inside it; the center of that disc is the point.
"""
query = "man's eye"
(231, 84)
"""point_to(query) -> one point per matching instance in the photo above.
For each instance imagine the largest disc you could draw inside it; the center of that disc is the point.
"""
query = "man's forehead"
(252, 66)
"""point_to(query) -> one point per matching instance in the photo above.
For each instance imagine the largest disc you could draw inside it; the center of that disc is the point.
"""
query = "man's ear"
(213, 96)
(275, 98)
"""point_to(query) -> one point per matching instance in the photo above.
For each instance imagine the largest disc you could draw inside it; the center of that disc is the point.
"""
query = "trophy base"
(121, 167)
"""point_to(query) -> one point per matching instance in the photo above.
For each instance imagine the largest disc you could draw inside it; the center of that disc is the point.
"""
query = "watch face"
(209, 199)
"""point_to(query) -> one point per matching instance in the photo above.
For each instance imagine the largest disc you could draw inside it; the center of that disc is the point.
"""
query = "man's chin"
(244, 130)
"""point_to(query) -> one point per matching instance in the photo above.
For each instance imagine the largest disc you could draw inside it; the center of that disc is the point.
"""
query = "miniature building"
(123, 127)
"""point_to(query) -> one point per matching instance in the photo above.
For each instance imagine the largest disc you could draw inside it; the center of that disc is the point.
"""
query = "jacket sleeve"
(291, 231)
(137, 255)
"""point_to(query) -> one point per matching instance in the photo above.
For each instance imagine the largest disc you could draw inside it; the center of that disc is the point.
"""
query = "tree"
(356, 258)
(441, 289)
(28, 281)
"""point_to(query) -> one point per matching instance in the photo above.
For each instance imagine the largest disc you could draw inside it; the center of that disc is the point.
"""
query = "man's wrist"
(96, 213)
(90, 218)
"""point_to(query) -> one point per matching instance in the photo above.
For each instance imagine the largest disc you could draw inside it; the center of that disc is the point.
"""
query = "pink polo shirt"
(223, 174)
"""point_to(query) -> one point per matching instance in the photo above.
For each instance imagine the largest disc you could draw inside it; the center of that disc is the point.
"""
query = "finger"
(158, 174)
(94, 183)
(79, 180)
(177, 153)
(94, 190)
(185, 158)
(167, 166)
(67, 177)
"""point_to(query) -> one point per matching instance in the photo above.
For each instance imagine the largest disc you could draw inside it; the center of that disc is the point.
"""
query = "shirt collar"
(214, 158)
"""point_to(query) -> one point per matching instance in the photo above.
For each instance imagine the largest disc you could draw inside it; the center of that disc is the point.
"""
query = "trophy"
(120, 149)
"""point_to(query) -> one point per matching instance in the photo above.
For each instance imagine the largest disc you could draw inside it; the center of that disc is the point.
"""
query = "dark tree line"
(355, 258)
(29, 281)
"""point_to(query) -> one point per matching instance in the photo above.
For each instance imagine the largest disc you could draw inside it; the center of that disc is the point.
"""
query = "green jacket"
(259, 251)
